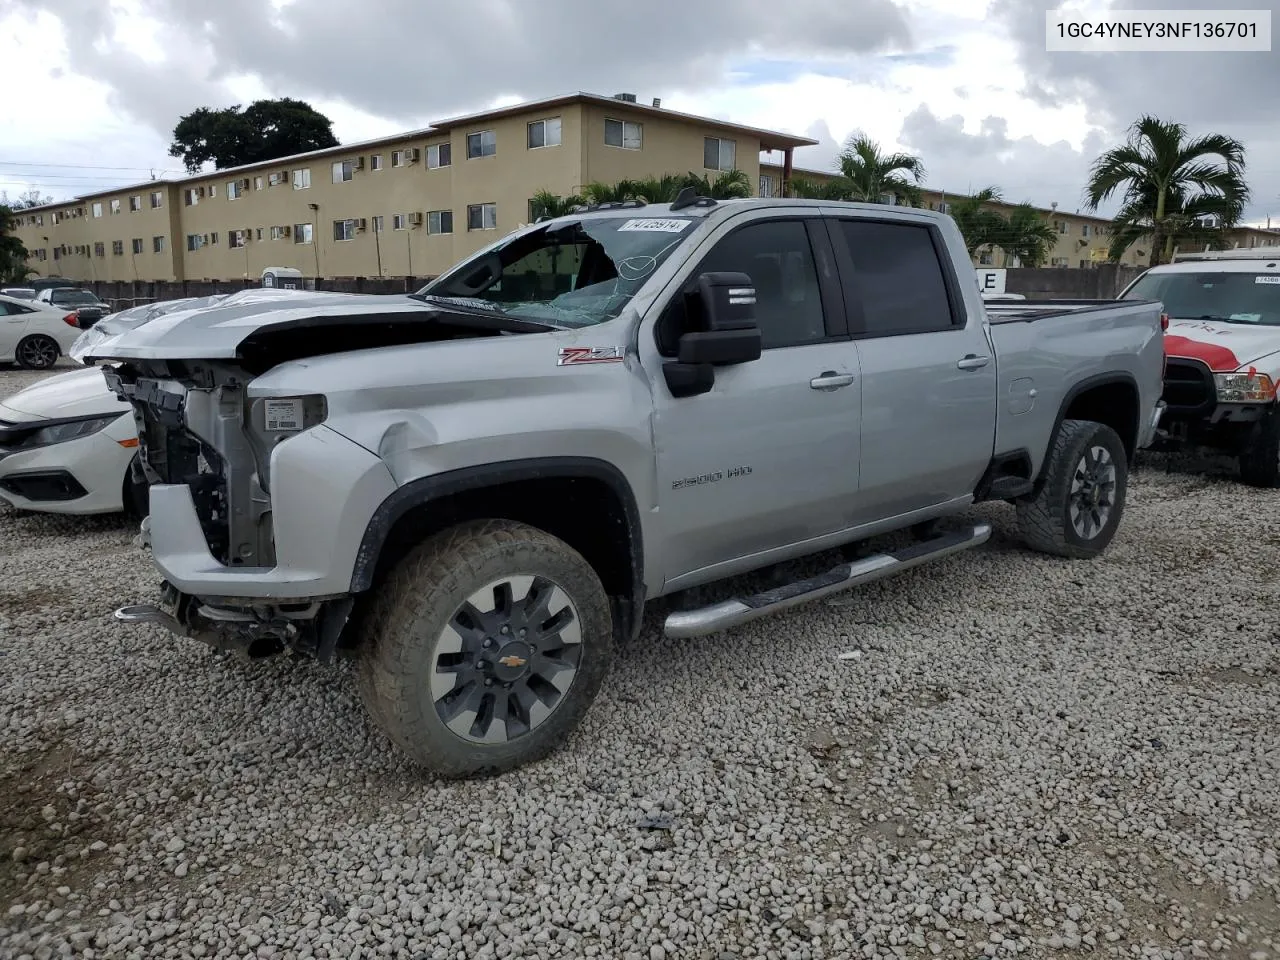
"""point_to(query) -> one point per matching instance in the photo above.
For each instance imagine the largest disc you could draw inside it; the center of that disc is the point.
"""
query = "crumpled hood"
(75, 394)
(216, 331)
(1225, 347)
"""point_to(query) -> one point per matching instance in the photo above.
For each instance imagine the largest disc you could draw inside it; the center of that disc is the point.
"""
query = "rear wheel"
(1080, 503)
(36, 352)
(485, 647)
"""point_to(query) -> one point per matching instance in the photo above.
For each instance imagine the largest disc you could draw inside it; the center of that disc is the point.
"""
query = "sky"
(966, 85)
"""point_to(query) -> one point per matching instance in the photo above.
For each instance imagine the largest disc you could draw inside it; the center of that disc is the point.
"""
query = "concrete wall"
(1101, 282)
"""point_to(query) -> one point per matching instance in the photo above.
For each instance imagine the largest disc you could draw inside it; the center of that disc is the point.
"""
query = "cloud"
(414, 61)
(1228, 93)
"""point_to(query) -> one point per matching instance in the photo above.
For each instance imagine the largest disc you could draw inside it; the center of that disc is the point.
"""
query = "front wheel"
(37, 352)
(485, 647)
(1081, 499)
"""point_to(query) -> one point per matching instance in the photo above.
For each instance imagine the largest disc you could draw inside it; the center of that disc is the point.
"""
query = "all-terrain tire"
(1046, 519)
(1260, 459)
(422, 595)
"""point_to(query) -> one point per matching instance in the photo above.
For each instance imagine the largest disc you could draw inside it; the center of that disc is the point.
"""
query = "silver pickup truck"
(476, 489)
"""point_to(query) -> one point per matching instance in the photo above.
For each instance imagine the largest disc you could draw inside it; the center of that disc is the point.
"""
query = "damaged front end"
(197, 428)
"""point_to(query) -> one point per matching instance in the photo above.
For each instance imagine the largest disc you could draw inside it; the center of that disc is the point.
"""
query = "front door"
(768, 459)
(928, 370)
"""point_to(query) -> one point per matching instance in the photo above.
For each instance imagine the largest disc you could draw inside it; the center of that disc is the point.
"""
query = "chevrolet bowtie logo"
(511, 660)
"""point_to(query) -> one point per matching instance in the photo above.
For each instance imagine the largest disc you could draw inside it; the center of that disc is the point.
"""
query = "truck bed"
(1026, 311)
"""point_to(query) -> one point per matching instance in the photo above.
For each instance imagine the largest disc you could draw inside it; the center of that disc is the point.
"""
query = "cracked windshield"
(573, 274)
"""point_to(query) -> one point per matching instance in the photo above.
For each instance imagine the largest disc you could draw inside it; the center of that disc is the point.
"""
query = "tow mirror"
(727, 304)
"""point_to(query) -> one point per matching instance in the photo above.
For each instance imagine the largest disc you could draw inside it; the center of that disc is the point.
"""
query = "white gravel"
(999, 754)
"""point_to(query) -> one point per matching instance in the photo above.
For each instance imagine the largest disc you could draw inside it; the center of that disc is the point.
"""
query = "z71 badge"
(574, 355)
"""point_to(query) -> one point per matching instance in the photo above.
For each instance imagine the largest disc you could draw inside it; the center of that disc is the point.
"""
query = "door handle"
(830, 380)
(973, 362)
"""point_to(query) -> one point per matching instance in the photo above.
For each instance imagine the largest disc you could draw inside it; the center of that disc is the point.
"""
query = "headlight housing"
(67, 430)
(1244, 387)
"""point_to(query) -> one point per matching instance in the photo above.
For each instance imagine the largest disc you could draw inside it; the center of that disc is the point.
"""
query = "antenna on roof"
(688, 197)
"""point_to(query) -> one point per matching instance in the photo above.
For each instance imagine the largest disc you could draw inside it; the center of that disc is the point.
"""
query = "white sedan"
(34, 335)
(68, 444)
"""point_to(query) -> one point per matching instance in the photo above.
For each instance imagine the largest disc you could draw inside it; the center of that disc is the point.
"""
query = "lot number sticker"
(284, 415)
(1275, 278)
(655, 226)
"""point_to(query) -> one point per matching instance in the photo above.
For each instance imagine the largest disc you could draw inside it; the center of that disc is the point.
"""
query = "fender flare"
(1088, 383)
(425, 489)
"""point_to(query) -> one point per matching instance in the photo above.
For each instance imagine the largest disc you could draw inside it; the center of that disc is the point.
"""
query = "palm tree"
(661, 189)
(598, 192)
(547, 204)
(1170, 184)
(729, 185)
(1030, 236)
(837, 188)
(979, 224)
(873, 175)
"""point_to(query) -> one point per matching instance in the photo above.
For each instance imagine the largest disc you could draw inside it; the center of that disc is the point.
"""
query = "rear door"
(928, 369)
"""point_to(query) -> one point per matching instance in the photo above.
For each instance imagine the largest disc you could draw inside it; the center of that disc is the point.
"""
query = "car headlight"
(68, 430)
(1244, 387)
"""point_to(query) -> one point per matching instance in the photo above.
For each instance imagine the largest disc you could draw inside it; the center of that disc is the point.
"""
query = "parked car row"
(476, 489)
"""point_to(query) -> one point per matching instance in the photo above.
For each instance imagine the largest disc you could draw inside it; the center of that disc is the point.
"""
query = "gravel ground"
(999, 754)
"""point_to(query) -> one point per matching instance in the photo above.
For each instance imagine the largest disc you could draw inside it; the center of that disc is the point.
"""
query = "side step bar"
(732, 613)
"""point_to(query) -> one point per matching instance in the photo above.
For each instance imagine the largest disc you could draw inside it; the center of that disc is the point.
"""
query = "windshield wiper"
(491, 317)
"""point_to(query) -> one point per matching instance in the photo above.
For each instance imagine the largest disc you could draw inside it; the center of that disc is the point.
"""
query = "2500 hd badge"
(716, 477)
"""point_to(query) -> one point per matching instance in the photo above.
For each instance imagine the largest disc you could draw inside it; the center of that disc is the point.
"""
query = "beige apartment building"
(1083, 240)
(408, 205)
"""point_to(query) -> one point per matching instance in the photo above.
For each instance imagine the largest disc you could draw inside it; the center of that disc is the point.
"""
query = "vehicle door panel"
(764, 459)
(13, 324)
(928, 369)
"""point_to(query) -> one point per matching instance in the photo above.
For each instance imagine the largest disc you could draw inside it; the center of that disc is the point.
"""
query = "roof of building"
(769, 140)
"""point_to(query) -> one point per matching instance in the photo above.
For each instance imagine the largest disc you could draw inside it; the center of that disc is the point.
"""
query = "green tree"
(598, 192)
(547, 204)
(1023, 232)
(265, 130)
(871, 175)
(835, 189)
(13, 254)
(729, 185)
(1171, 187)
(26, 199)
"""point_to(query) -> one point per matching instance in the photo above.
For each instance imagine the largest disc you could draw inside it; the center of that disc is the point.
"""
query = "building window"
(117, 248)
(482, 216)
(344, 229)
(766, 186)
(157, 244)
(397, 158)
(135, 204)
(259, 233)
(624, 134)
(1060, 262)
(236, 238)
(194, 241)
(377, 224)
(441, 221)
(343, 171)
(213, 237)
(97, 210)
(115, 206)
(137, 245)
(99, 249)
(213, 189)
(234, 190)
(157, 200)
(375, 161)
(1084, 230)
(302, 233)
(397, 221)
(278, 232)
(544, 133)
(1062, 227)
(302, 178)
(719, 154)
(482, 144)
(190, 197)
(257, 183)
(439, 155)
(986, 258)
